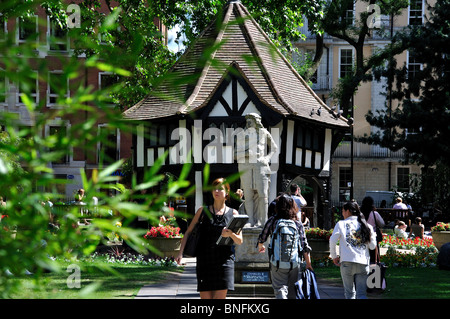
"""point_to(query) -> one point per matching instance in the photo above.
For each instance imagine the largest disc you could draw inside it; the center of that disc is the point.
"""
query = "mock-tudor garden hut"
(233, 69)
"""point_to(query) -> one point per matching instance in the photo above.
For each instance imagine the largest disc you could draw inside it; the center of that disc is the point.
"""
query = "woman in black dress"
(215, 264)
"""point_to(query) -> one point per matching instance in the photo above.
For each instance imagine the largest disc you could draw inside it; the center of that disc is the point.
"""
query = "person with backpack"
(288, 242)
(355, 237)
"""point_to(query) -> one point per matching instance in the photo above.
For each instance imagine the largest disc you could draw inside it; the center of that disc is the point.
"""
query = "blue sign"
(255, 276)
(70, 177)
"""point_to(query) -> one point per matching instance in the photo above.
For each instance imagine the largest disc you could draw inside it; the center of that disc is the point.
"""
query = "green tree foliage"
(339, 20)
(420, 125)
(123, 33)
(31, 233)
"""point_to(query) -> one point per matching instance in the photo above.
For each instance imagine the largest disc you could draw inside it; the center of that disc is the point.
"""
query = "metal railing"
(361, 150)
(322, 83)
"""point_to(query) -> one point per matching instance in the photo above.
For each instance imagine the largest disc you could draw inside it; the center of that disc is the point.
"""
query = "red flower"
(163, 231)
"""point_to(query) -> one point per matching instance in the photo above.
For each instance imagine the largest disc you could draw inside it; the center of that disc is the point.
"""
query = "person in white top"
(399, 204)
(355, 238)
(400, 230)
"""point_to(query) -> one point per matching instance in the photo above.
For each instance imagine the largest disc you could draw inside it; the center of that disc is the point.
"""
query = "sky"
(171, 39)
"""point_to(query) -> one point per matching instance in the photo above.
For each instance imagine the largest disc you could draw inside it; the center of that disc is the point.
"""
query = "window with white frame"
(27, 28)
(57, 36)
(414, 66)
(310, 55)
(349, 14)
(30, 87)
(3, 28)
(105, 81)
(108, 145)
(416, 12)
(345, 183)
(345, 62)
(57, 86)
(59, 131)
(3, 86)
(403, 176)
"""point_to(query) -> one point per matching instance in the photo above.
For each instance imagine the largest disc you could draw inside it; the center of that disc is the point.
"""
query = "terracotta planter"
(166, 247)
(320, 247)
(440, 238)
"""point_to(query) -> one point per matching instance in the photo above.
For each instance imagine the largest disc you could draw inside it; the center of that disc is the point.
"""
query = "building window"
(349, 14)
(414, 66)
(28, 87)
(108, 145)
(58, 39)
(3, 28)
(27, 28)
(60, 132)
(161, 135)
(58, 86)
(345, 183)
(300, 137)
(107, 80)
(309, 138)
(403, 179)
(310, 56)
(3, 86)
(345, 63)
(416, 12)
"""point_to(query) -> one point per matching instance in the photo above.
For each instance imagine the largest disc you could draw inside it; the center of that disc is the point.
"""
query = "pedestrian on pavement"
(215, 263)
(283, 280)
(296, 194)
(305, 220)
(355, 237)
(375, 220)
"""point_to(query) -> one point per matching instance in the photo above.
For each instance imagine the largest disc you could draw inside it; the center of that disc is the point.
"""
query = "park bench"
(391, 214)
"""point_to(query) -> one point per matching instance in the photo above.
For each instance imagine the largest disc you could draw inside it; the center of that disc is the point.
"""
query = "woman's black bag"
(190, 248)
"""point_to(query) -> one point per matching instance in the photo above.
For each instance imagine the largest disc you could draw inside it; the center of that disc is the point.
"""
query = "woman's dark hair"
(355, 211)
(367, 206)
(286, 208)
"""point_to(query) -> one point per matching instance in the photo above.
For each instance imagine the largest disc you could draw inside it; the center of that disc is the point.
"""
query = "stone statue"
(253, 157)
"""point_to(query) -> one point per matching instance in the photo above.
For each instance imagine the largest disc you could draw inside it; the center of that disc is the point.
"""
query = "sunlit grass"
(403, 283)
(99, 280)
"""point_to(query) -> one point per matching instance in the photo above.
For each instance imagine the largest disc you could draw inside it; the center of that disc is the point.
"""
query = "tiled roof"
(241, 43)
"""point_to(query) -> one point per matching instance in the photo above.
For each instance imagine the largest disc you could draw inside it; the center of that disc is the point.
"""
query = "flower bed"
(400, 243)
(423, 257)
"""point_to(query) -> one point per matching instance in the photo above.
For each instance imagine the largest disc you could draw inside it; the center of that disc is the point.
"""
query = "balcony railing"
(322, 83)
(361, 150)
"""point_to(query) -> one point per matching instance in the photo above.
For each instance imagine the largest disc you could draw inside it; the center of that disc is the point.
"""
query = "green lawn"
(96, 282)
(404, 283)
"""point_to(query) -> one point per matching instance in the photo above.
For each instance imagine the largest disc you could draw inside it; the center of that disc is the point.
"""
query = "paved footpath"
(184, 286)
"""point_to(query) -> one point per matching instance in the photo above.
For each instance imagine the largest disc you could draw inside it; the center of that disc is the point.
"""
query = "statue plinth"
(250, 265)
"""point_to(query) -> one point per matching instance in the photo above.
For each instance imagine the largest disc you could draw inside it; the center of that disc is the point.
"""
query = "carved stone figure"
(253, 157)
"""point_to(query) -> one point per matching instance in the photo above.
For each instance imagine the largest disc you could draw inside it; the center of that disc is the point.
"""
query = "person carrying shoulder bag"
(375, 220)
(356, 237)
